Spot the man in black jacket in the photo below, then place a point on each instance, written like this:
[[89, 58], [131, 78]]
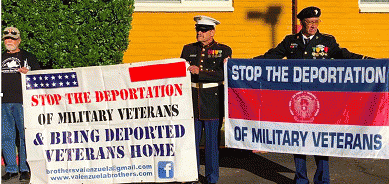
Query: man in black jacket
[[309, 43], [14, 62], [206, 66]]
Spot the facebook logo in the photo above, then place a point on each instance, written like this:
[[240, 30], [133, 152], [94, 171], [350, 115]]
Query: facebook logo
[[165, 169]]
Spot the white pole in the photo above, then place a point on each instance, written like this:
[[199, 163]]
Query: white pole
[[1, 93]]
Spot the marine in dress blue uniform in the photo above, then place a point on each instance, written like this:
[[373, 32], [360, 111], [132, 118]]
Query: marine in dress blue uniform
[[206, 58], [309, 43]]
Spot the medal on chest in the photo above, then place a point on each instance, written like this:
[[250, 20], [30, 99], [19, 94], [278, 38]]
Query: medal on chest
[[293, 45], [214, 53], [319, 51]]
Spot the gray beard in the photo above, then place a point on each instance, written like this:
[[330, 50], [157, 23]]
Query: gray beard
[[10, 47]]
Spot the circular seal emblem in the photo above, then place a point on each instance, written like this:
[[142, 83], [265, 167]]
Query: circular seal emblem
[[304, 106]]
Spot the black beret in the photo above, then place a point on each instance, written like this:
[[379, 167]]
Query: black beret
[[309, 12]]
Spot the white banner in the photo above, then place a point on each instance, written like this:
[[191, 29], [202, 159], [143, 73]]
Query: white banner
[[110, 124]]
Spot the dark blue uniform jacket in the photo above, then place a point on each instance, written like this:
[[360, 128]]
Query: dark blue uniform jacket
[[207, 102], [321, 46]]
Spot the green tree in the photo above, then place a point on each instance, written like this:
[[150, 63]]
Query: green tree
[[71, 33]]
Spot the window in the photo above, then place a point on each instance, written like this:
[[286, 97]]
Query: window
[[183, 5], [374, 5]]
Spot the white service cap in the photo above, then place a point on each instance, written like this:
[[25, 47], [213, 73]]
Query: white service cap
[[204, 20]]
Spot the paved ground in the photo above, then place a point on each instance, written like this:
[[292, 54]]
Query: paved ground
[[244, 167]]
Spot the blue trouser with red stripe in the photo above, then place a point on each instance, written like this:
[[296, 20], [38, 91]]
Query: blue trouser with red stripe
[[211, 130]]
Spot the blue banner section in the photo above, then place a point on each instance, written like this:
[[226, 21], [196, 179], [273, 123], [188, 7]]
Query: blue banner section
[[314, 75], [53, 80]]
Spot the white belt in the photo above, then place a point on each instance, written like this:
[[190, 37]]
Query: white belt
[[204, 85]]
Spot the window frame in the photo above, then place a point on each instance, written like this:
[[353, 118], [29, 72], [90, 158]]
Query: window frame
[[185, 6], [373, 7]]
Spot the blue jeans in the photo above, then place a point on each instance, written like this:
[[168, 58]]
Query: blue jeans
[[12, 118], [211, 130], [322, 175]]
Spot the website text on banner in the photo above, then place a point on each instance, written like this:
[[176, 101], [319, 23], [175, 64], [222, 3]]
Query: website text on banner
[[312, 107], [110, 124]]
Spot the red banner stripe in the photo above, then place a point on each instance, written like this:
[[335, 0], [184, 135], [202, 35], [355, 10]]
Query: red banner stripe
[[336, 108], [159, 71]]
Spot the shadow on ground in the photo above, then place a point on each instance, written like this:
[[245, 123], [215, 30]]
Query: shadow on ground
[[251, 162]]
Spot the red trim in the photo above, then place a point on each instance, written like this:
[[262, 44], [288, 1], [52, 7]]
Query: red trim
[[159, 71]]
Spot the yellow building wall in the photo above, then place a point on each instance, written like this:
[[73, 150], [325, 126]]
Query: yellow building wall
[[363, 33], [254, 27]]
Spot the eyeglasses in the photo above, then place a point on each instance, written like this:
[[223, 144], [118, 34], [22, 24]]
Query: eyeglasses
[[12, 32], [315, 22]]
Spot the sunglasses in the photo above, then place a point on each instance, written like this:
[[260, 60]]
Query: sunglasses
[[12, 32], [202, 30]]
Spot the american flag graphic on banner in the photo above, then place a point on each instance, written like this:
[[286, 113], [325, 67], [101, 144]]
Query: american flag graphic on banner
[[53, 80]]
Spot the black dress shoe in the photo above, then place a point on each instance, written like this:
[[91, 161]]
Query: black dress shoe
[[24, 176], [7, 176]]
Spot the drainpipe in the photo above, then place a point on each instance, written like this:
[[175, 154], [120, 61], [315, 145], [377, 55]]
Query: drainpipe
[[295, 26]]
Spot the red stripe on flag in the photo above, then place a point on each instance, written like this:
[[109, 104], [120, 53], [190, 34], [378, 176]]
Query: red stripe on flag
[[159, 71], [336, 108]]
